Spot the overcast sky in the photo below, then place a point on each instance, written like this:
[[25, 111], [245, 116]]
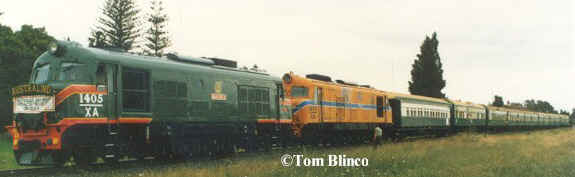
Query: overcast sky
[[517, 49]]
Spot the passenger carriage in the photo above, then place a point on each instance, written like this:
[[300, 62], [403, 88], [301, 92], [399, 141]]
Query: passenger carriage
[[467, 115], [414, 114]]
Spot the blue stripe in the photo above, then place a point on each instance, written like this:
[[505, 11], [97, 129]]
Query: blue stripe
[[335, 104]]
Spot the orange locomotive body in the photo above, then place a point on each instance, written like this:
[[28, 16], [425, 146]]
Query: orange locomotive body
[[327, 110]]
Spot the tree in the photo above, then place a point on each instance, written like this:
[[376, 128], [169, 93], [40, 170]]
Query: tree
[[119, 26], [497, 101], [98, 40], [427, 72], [531, 105], [18, 51], [157, 37], [564, 112], [539, 106], [515, 105]]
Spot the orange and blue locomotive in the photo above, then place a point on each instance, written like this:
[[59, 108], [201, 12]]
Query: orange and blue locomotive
[[336, 112]]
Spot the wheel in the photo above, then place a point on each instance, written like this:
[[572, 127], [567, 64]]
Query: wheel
[[109, 160], [84, 157], [17, 155], [60, 158]]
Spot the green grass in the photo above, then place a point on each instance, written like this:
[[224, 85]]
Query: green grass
[[7, 160], [539, 154]]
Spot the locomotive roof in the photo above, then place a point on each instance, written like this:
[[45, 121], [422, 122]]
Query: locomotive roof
[[314, 81], [74, 50]]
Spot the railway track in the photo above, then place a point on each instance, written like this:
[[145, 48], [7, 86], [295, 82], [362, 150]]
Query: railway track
[[67, 170], [42, 171]]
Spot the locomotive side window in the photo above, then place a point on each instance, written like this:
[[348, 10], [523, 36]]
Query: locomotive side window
[[170, 98], [101, 78], [298, 91], [254, 100], [70, 71], [135, 90]]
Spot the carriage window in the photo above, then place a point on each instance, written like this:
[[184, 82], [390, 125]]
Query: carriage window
[[42, 73], [298, 91], [135, 90]]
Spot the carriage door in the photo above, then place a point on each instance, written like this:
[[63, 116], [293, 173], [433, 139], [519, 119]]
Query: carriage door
[[112, 101], [319, 99]]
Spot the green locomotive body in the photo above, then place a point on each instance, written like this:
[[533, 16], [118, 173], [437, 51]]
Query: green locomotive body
[[111, 104]]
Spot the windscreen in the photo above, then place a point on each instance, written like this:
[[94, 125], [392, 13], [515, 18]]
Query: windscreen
[[42, 73], [298, 91]]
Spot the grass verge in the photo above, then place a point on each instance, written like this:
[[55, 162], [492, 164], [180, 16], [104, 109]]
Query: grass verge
[[541, 153]]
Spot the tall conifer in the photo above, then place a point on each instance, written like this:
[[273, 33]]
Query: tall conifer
[[119, 27], [156, 36], [427, 72]]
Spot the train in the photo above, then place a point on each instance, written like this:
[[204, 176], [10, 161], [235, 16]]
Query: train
[[83, 104]]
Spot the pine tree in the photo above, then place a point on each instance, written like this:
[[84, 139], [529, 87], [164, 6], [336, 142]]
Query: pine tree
[[98, 40], [118, 28], [427, 72], [157, 37]]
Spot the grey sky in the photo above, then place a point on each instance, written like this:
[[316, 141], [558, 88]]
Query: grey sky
[[517, 49]]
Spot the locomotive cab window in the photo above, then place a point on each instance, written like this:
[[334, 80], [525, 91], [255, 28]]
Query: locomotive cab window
[[299, 91], [70, 71], [135, 90]]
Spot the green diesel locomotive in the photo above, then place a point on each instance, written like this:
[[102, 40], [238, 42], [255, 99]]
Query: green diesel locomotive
[[91, 103]]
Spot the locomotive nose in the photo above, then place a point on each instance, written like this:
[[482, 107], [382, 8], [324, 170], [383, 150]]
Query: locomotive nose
[[30, 121]]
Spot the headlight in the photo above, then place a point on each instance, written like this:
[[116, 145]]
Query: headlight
[[56, 49], [53, 47], [287, 78]]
